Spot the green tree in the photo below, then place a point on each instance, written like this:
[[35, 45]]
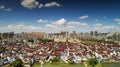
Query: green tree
[[2, 49], [93, 62], [55, 59], [17, 63], [44, 40]]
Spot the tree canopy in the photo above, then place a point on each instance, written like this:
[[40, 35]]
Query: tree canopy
[[17, 63], [92, 62]]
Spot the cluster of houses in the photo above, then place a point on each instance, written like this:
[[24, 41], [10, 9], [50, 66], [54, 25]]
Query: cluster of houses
[[30, 52]]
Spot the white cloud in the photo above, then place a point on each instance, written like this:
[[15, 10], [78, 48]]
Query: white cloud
[[99, 28], [84, 17], [30, 3], [64, 25], [117, 20], [40, 6], [8, 9], [2, 7], [34, 3], [77, 23], [42, 21], [97, 24], [106, 28], [50, 26], [109, 27], [61, 22], [20, 27], [57, 24], [70, 26], [52, 4]]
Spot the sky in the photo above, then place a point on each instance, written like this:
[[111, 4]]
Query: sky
[[59, 15]]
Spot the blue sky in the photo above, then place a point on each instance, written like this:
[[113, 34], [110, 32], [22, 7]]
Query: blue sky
[[59, 15]]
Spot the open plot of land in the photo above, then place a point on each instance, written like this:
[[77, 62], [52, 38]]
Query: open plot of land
[[58, 65]]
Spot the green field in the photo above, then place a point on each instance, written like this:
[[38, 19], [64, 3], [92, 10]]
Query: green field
[[72, 65], [58, 65], [111, 65]]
